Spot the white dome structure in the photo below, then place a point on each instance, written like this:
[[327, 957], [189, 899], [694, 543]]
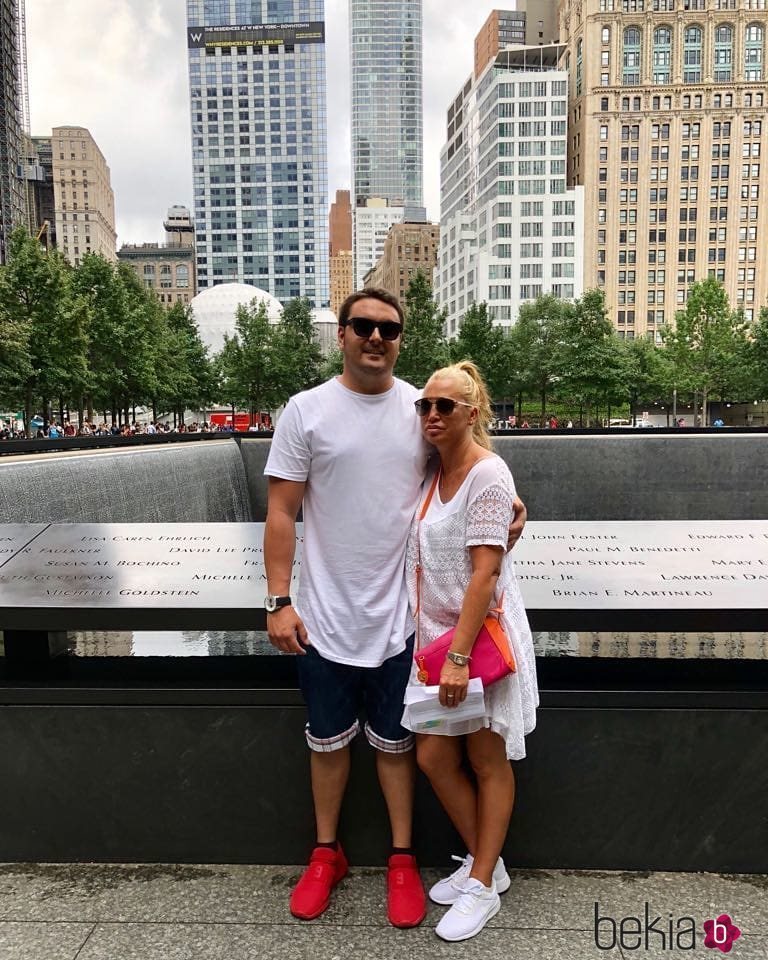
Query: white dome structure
[[215, 308], [326, 324]]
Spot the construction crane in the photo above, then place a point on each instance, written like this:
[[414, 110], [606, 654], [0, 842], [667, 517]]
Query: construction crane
[[21, 43], [43, 232]]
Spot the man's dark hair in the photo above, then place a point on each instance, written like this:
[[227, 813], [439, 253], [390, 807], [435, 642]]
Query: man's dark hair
[[370, 293]]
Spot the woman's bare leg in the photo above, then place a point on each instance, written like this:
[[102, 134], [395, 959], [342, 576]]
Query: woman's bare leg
[[440, 759], [495, 800]]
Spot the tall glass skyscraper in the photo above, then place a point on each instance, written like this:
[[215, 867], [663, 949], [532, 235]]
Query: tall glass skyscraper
[[259, 144], [12, 197], [387, 124]]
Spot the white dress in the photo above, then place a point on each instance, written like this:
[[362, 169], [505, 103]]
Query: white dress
[[479, 513]]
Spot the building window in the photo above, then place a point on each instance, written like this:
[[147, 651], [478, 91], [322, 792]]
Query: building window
[[723, 66], [692, 55], [632, 52], [579, 66], [753, 53], [182, 275], [662, 54]]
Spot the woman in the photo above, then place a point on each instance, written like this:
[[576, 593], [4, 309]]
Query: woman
[[460, 547]]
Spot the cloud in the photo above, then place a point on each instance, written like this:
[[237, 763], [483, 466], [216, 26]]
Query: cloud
[[123, 75]]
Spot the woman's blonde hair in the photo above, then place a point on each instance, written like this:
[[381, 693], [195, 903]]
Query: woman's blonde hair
[[473, 389]]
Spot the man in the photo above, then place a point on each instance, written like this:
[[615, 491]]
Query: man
[[351, 450]]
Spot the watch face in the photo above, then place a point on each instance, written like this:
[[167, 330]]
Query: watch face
[[273, 603]]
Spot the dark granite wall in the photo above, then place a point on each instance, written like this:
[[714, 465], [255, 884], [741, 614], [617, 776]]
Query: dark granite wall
[[122, 771], [179, 483], [605, 789], [641, 476]]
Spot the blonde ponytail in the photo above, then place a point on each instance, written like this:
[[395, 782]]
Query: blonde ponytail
[[473, 389]]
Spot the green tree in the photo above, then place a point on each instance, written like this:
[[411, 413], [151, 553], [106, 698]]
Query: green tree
[[590, 356], [535, 342], [705, 343], [15, 365], [44, 324], [249, 375], [482, 341], [423, 348], [143, 333], [297, 358], [225, 366], [647, 373], [508, 379], [757, 359], [185, 373], [97, 283], [332, 365]]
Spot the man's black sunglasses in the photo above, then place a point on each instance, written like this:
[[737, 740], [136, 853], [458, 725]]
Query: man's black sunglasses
[[363, 327]]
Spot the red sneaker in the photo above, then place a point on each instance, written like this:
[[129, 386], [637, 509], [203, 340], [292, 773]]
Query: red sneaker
[[312, 893], [406, 900]]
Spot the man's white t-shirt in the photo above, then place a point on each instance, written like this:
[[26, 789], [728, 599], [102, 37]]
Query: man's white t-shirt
[[363, 459]]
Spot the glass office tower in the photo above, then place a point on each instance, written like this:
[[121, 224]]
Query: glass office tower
[[259, 144], [387, 126], [12, 189]]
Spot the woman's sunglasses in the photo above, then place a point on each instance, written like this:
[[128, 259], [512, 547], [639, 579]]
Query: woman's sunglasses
[[363, 327], [444, 406]]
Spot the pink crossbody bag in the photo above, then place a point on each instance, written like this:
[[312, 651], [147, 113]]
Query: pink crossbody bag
[[491, 657]]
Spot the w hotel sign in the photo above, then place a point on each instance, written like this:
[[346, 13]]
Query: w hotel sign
[[261, 34]]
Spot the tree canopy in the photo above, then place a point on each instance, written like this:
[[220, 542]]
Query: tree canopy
[[93, 338]]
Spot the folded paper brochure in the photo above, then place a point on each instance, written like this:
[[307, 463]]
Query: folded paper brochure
[[427, 715]]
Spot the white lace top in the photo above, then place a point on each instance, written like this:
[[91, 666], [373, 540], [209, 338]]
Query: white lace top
[[479, 513]]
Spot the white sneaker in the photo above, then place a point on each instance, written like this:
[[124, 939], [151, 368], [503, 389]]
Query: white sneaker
[[473, 909], [448, 890]]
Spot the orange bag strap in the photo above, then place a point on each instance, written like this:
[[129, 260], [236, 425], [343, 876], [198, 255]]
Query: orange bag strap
[[500, 609], [422, 514]]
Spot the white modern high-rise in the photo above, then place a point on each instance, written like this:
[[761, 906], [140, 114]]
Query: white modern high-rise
[[387, 121], [259, 144], [510, 229]]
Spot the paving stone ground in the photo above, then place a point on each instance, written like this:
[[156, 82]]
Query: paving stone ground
[[220, 912]]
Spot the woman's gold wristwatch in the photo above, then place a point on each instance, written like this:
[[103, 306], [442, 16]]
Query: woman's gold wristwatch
[[460, 659]]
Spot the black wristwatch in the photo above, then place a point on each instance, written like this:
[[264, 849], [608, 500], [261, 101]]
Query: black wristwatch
[[273, 603]]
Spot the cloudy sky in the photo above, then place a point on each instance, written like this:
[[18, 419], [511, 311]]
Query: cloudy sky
[[122, 73]]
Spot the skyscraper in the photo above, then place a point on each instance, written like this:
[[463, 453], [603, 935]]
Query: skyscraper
[[387, 122], [258, 104], [667, 101], [340, 249], [12, 186], [510, 229], [83, 196]]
